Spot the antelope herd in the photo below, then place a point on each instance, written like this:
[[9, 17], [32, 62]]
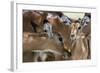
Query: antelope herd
[[53, 36]]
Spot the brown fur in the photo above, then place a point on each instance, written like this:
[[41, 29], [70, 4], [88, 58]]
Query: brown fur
[[33, 18], [79, 48], [62, 29], [31, 42]]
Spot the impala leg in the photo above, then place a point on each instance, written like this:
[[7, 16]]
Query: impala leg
[[43, 56], [35, 58]]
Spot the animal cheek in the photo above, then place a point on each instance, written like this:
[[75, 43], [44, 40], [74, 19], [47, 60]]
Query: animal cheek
[[74, 31]]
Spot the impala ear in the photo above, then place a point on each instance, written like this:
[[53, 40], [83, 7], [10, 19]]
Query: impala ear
[[61, 20]]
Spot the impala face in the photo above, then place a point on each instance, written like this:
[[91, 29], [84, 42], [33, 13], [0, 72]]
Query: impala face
[[75, 29]]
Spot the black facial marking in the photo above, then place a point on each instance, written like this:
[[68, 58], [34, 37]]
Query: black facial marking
[[79, 28]]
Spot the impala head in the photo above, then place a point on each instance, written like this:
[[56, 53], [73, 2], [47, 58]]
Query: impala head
[[75, 30], [37, 17], [53, 19], [61, 29]]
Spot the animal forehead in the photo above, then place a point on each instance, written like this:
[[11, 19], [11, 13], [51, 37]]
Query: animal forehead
[[36, 14], [52, 14], [75, 25], [58, 34]]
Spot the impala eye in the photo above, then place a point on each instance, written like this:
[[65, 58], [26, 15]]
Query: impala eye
[[60, 39], [45, 30], [79, 27]]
